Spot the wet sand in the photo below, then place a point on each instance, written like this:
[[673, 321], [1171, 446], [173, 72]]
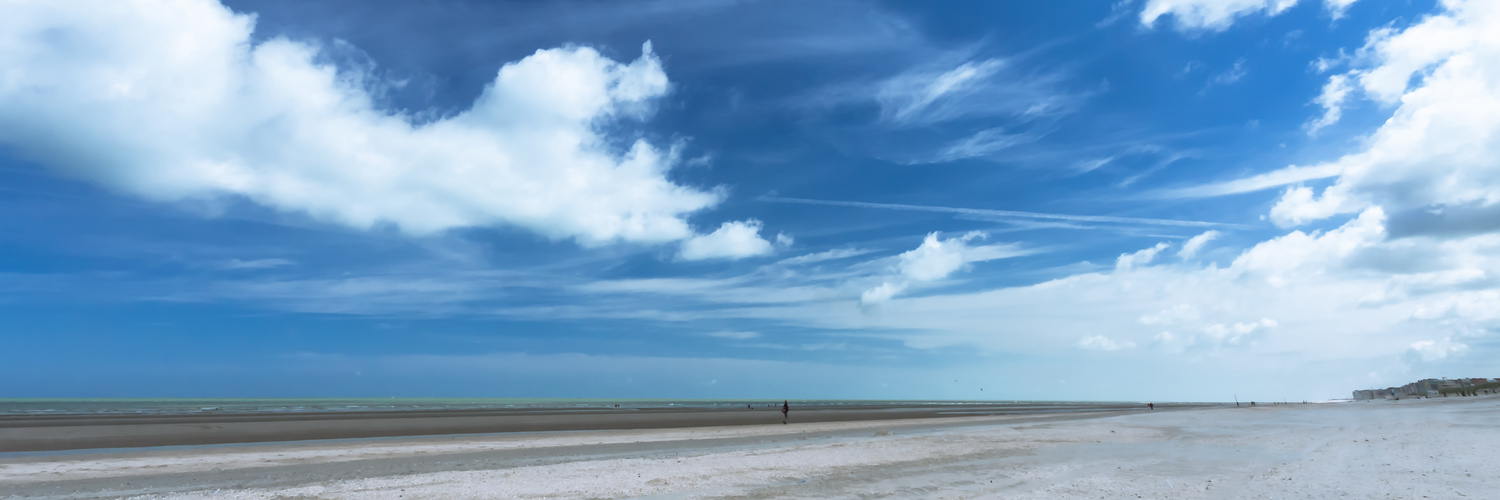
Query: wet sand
[[1441, 448], [24, 433]]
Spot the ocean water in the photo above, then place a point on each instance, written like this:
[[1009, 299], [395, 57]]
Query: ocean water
[[319, 405]]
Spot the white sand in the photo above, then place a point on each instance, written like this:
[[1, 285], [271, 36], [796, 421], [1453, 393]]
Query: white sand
[[1444, 448]]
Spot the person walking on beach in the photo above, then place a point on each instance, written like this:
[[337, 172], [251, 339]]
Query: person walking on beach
[[784, 409], [1151, 406]]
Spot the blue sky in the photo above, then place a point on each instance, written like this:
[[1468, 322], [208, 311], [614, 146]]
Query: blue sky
[[1151, 199]]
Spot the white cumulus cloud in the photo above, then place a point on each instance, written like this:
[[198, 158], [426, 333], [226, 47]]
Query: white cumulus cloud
[[1102, 343], [1406, 277], [881, 293], [935, 259], [1138, 258], [732, 240], [1217, 15], [1335, 92], [1438, 148], [1350, 296], [1209, 14], [1171, 315], [1196, 243], [177, 100], [1432, 350], [1235, 333], [1435, 154]]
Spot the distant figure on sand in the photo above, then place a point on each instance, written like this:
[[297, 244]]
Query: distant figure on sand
[[1151, 406], [784, 408]]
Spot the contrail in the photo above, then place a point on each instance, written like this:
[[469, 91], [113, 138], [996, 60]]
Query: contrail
[[1001, 213]]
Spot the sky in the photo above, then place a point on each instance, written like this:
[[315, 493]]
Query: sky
[[1116, 200]]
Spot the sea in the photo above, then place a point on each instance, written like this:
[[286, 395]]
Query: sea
[[176, 406]]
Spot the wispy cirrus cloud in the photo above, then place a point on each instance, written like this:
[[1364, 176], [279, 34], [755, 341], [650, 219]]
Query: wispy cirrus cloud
[[1004, 214], [734, 335], [947, 86], [982, 144], [922, 96], [1229, 76], [1277, 178], [973, 88], [827, 255], [254, 264]]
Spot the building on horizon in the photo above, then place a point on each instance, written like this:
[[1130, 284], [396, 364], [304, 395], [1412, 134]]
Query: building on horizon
[[1428, 388]]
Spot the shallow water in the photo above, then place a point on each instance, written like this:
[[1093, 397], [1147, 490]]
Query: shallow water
[[321, 405]]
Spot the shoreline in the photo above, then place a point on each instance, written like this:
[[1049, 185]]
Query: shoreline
[[29, 433]]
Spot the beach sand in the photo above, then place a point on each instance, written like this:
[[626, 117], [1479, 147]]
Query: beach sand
[[1441, 448]]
